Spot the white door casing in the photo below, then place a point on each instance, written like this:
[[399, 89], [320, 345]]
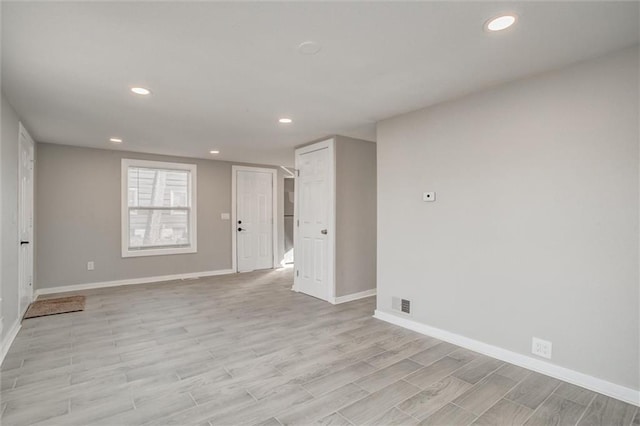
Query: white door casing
[[315, 220], [253, 218], [25, 219]]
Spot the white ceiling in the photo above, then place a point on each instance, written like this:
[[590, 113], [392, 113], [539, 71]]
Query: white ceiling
[[223, 73]]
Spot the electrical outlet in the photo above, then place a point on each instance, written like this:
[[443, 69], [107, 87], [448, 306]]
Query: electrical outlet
[[225, 216], [90, 266], [541, 347]]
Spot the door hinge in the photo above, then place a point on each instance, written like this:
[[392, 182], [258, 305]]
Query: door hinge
[[297, 273], [297, 172], [298, 222]]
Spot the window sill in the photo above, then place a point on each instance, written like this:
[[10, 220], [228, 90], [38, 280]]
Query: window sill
[[159, 252]]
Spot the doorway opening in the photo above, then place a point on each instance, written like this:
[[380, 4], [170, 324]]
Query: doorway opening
[[289, 210]]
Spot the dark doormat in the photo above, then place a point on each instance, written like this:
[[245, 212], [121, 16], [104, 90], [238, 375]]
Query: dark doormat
[[59, 305]]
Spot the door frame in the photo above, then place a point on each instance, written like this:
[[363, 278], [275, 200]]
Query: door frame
[[274, 217], [331, 225], [23, 136]]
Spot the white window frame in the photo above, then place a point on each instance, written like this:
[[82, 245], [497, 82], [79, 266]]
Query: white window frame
[[192, 168]]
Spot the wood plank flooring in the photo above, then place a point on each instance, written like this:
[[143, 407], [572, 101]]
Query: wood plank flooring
[[245, 350]]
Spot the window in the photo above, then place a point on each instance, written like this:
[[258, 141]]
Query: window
[[158, 208]]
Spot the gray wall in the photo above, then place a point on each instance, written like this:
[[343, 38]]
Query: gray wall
[[535, 227], [9, 246], [78, 218], [355, 215]]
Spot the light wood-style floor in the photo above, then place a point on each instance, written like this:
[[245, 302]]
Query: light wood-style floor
[[244, 350]]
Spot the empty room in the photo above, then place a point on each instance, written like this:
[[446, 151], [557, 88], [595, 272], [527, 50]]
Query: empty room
[[330, 213]]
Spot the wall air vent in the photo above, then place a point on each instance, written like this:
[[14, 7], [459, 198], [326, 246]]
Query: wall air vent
[[401, 305]]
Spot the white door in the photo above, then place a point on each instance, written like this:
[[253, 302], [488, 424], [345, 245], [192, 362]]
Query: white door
[[314, 221], [254, 220], [25, 220]]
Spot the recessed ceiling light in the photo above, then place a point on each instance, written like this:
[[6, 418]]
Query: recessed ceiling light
[[115, 140], [214, 152], [309, 48], [285, 120], [141, 91], [501, 22]]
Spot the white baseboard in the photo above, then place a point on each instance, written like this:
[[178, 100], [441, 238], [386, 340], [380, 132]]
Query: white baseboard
[[9, 338], [613, 390], [353, 296], [133, 281]]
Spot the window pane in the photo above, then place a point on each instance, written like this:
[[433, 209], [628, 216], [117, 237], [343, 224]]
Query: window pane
[[158, 187], [158, 228]]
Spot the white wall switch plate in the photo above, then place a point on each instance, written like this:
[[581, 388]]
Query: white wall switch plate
[[90, 266], [428, 196], [541, 347], [225, 216]]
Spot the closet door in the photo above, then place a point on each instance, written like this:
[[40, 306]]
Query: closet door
[[315, 218]]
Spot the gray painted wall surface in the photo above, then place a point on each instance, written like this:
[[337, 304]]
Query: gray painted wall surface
[[355, 215], [534, 231], [9, 265], [78, 218]]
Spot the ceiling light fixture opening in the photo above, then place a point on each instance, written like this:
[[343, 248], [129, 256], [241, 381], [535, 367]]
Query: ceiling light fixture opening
[[285, 121], [214, 152], [501, 22], [141, 91], [115, 140]]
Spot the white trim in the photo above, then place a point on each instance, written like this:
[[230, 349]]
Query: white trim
[[9, 338], [234, 220], [294, 287], [289, 172], [353, 296], [124, 208], [332, 220], [331, 255], [595, 384], [131, 281], [25, 137]]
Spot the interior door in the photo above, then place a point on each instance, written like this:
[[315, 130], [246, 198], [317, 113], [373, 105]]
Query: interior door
[[25, 220], [314, 201], [254, 220]]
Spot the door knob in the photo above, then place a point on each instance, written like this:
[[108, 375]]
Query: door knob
[[240, 229], [323, 232]]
